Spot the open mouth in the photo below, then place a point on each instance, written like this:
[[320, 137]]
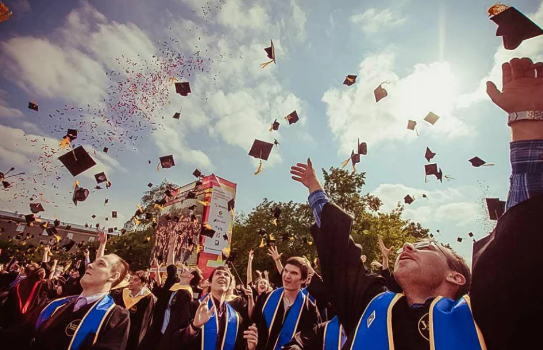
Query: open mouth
[[405, 256]]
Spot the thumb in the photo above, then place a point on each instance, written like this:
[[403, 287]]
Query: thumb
[[492, 91]]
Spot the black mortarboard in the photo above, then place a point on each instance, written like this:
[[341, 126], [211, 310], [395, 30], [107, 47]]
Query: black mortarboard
[[292, 118], [148, 216], [77, 161], [231, 204], [513, 26], [93, 216], [408, 199], [197, 173], [6, 184], [459, 239], [470, 234], [411, 124], [424, 196], [429, 154], [68, 245], [149, 185], [275, 142], [100, 177], [80, 194], [477, 162], [51, 231], [431, 169], [30, 218], [355, 158], [276, 212], [36, 207], [110, 230], [56, 223], [183, 89], [495, 207], [349, 80], [192, 207], [262, 232], [207, 231], [33, 106], [439, 175], [191, 195], [68, 227], [167, 162], [106, 149], [275, 125], [261, 149], [270, 51], [71, 134], [380, 93], [431, 118], [97, 225], [114, 214], [106, 201], [176, 115], [362, 148], [270, 241]]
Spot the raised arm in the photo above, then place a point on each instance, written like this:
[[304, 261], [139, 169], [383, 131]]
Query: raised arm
[[171, 251], [46, 252], [102, 238], [274, 254], [250, 267]]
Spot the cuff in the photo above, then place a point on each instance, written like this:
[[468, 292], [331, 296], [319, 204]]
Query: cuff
[[316, 197], [527, 156]]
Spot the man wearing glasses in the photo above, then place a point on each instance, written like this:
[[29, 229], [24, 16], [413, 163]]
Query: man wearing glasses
[[435, 311]]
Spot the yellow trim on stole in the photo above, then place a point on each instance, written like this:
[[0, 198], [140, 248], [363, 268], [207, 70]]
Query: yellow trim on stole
[[178, 286], [297, 321], [479, 334], [58, 307], [389, 320], [226, 327], [130, 301], [84, 317], [325, 329], [275, 312], [431, 321], [101, 322]]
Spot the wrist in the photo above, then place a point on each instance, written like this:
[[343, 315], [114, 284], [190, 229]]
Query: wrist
[[195, 327], [314, 186], [526, 130]]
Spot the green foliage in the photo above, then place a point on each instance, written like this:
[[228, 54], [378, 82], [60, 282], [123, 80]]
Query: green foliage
[[344, 188], [133, 247]]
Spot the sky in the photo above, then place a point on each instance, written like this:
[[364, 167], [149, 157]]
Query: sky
[[103, 67]]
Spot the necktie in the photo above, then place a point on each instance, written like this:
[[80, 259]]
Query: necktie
[[82, 301]]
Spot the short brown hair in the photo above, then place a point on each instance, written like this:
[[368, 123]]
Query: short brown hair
[[142, 275], [221, 268], [120, 266], [301, 263], [462, 268]]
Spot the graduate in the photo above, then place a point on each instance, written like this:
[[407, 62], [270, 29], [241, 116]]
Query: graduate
[[140, 302], [434, 311], [90, 320], [217, 323], [328, 335], [280, 314]]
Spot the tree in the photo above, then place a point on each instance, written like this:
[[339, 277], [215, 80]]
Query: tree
[[344, 188]]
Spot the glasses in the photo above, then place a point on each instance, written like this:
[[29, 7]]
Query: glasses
[[426, 244]]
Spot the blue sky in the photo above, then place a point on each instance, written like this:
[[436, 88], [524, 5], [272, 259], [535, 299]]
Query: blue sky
[[436, 55]]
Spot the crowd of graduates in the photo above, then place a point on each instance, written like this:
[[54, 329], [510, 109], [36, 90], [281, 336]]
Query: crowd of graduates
[[429, 299]]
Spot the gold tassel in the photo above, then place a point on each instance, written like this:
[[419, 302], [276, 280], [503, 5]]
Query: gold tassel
[[271, 128], [262, 245], [108, 184], [172, 80], [65, 143], [136, 221], [345, 162], [275, 222], [354, 168], [489, 164], [263, 65], [259, 170], [205, 204], [158, 167], [76, 184]]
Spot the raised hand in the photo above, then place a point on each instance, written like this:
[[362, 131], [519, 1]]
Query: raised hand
[[102, 237], [203, 313], [251, 334], [248, 292], [385, 252], [364, 259], [251, 255], [274, 253], [522, 86], [376, 264], [305, 174]]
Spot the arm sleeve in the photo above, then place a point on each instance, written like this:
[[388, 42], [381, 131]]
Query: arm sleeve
[[392, 285], [348, 285], [258, 319], [115, 334], [307, 339], [526, 179], [317, 200]]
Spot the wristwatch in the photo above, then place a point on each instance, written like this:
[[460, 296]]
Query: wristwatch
[[527, 115]]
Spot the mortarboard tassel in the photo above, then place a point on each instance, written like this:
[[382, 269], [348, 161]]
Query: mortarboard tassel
[[263, 65], [275, 222], [108, 184], [172, 80], [345, 162], [136, 221], [448, 177], [158, 167], [354, 168], [65, 143], [259, 170], [262, 245]]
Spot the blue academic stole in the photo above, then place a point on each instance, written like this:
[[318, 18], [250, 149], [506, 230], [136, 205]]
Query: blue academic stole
[[334, 335], [306, 293], [291, 322], [89, 325], [451, 325], [211, 328]]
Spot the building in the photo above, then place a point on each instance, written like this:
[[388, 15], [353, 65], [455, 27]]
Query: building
[[13, 226]]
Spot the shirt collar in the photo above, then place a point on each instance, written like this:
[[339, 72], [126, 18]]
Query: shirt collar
[[92, 298], [142, 291]]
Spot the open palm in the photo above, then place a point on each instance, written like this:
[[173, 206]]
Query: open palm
[[203, 314]]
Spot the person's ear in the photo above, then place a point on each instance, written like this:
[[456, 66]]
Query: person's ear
[[114, 276], [456, 278]]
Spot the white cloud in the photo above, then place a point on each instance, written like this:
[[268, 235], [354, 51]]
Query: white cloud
[[463, 213], [5, 110], [353, 113], [372, 20], [532, 48]]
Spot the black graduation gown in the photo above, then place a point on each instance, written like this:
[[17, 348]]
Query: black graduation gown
[[309, 339], [309, 318], [10, 313], [507, 274], [141, 317], [181, 338], [54, 333]]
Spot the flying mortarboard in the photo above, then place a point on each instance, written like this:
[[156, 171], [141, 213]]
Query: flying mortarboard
[[275, 125], [167, 162], [68, 245], [477, 162], [411, 124], [106, 149], [275, 142], [292, 118], [380, 93], [362, 148], [197, 173], [207, 231], [30, 218], [114, 214], [429, 154], [513, 26], [270, 51], [110, 230], [93, 216], [33, 106], [77, 161], [176, 115], [354, 159], [231, 204], [100, 177], [260, 150], [71, 134], [80, 194], [408, 199], [431, 118], [495, 207], [470, 234], [459, 239], [36, 208], [276, 213], [149, 185], [270, 241], [349, 80], [51, 231], [183, 89]]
